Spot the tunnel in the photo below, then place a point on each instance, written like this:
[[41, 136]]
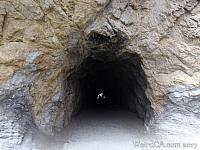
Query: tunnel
[[107, 81]]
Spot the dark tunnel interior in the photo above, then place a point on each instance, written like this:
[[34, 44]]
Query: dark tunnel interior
[[107, 81]]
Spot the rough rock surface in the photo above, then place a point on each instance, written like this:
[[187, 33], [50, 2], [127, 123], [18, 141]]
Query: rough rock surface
[[43, 41]]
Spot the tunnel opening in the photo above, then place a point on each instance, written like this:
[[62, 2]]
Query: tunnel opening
[[107, 81]]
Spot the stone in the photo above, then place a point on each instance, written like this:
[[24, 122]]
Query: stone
[[44, 43], [128, 16]]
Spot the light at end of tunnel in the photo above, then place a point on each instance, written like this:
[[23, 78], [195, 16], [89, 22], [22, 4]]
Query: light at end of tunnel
[[101, 96]]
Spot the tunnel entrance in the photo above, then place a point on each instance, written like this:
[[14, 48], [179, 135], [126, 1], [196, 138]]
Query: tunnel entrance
[[109, 81]]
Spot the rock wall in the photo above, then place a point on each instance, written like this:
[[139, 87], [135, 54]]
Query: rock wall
[[43, 41]]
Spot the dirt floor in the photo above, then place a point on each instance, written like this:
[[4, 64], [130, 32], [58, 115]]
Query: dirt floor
[[109, 129]]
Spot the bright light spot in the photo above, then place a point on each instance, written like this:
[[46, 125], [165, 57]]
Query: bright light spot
[[101, 96]]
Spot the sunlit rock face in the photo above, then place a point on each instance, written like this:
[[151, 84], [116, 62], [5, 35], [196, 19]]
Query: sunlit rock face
[[45, 44]]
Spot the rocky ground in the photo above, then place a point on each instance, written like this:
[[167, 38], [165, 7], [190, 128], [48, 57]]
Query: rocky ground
[[109, 130]]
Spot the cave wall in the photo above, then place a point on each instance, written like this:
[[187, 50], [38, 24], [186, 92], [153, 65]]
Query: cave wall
[[43, 41]]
